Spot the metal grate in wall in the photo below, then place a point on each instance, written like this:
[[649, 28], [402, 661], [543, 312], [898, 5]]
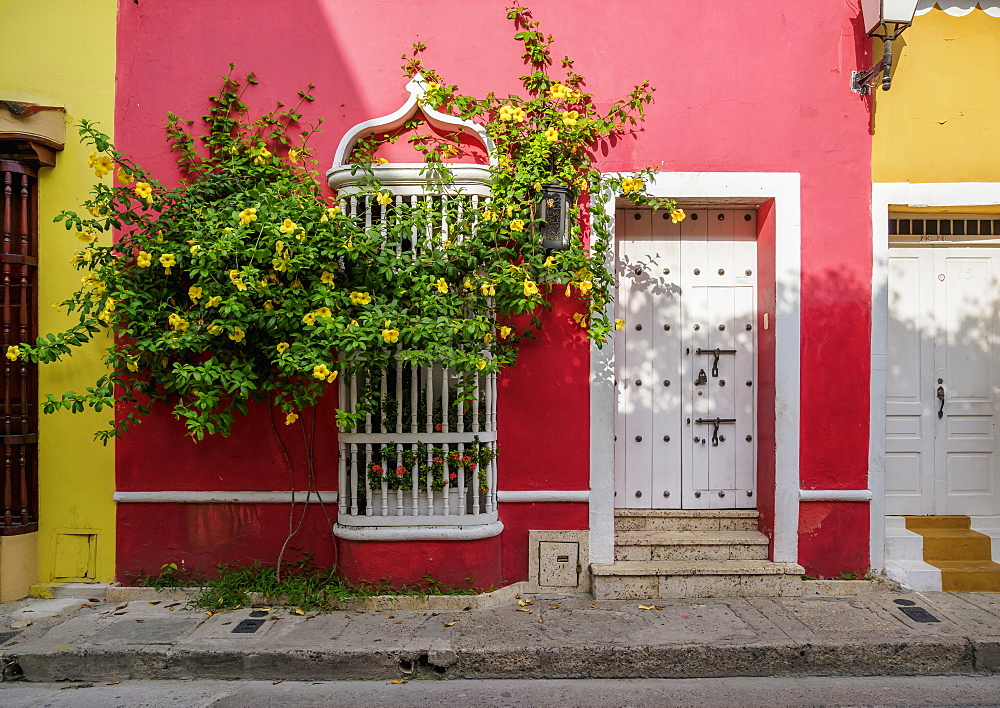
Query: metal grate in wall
[[945, 227]]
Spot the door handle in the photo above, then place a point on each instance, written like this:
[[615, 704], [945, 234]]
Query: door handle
[[940, 395]]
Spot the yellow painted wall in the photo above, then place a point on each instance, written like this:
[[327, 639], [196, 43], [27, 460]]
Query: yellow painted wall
[[62, 52], [940, 121]]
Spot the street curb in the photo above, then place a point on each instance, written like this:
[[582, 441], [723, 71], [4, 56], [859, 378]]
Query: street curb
[[910, 658]]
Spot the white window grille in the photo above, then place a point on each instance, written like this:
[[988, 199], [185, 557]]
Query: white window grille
[[426, 455]]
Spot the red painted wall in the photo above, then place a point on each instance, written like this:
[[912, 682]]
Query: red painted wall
[[766, 89], [766, 372]]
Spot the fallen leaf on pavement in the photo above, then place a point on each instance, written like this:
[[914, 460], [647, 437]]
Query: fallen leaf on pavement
[[140, 621], [541, 621], [10, 644], [92, 599], [388, 617], [554, 607], [86, 605], [593, 606], [449, 624], [121, 613], [299, 611], [659, 607], [522, 603], [209, 612], [398, 681], [155, 602], [225, 623], [173, 604], [122, 607], [647, 607], [524, 609], [112, 683], [276, 682]]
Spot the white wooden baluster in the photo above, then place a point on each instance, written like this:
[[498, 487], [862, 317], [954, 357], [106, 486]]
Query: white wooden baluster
[[475, 403], [430, 480], [489, 402], [415, 482], [414, 397], [355, 452], [444, 218], [430, 429], [414, 246], [399, 492], [399, 392], [370, 501], [342, 478], [461, 476]]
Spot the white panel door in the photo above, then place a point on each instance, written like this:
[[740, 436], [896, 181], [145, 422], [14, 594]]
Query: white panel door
[[943, 381], [685, 360]]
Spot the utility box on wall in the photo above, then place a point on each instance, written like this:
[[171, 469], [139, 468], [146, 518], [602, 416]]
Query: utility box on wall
[[558, 561]]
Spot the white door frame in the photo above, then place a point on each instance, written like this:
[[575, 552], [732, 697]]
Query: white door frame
[[756, 187], [884, 195]]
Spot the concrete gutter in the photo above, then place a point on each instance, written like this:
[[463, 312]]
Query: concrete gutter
[[553, 637]]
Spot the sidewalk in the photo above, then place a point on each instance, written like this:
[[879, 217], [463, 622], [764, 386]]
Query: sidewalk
[[556, 636]]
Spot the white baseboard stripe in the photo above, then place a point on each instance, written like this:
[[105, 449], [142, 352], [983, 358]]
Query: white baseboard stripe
[[176, 497], [418, 533], [543, 495], [842, 495]]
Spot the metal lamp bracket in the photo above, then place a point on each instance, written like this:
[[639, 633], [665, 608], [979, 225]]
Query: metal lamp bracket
[[861, 81]]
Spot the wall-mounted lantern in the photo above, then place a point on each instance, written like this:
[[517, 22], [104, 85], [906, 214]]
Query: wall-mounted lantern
[[879, 16], [553, 211]]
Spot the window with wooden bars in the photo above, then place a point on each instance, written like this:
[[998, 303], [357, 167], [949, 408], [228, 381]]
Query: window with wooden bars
[[19, 303]]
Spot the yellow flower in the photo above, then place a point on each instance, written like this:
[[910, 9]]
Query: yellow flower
[[194, 292], [282, 347], [125, 178], [505, 332], [489, 215], [580, 319], [320, 371], [380, 161], [441, 285], [261, 157], [481, 364], [269, 306], [630, 184], [103, 165], [326, 278], [570, 118], [132, 364], [330, 213], [488, 337], [294, 155], [287, 227], [324, 312], [247, 215], [677, 215], [391, 336], [551, 135], [519, 115], [309, 318], [194, 249], [585, 286], [280, 264], [177, 322], [517, 225], [467, 284], [92, 160], [237, 335], [432, 86], [619, 324], [213, 328], [214, 301], [558, 91], [332, 377], [530, 288], [291, 418], [384, 198], [167, 260], [143, 190], [237, 280], [488, 289], [86, 236], [360, 298], [550, 261], [13, 352], [507, 112]]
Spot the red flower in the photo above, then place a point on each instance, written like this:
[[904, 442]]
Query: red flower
[[377, 469], [453, 476], [437, 427], [400, 471], [466, 459], [454, 455], [473, 466], [438, 460]]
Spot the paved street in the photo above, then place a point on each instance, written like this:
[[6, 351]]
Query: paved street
[[704, 693]]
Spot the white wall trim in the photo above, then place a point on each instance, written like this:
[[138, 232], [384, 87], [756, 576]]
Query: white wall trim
[[418, 533], [884, 195], [839, 495], [785, 189], [178, 497], [507, 496], [959, 8]]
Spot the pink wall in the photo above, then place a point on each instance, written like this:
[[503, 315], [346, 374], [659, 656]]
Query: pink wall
[[756, 87]]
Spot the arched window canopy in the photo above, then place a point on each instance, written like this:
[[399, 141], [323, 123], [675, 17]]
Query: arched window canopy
[[407, 178]]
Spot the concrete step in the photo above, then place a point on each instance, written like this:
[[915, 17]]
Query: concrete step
[[721, 578], [690, 545], [685, 519]]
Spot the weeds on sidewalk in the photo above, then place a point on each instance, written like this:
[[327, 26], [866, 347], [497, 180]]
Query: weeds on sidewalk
[[301, 583]]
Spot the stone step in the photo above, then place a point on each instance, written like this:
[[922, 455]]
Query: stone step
[[685, 519], [690, 545], [638, 580]]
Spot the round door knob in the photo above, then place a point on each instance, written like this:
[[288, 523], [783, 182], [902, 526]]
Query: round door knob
[[722, 494], [722, 382], [666, 271], [697, 439], [638, 271], [638, 438], [749, 438], [666, 438], [666, 494], [638, 382], [666, 382], [666, 328], [697, 327], [638, 494], [697, 271], [697, 495], [638, 327], [722, 271]]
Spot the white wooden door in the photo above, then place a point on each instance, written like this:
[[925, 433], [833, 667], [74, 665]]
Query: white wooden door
[[943, 379], [685, 360]]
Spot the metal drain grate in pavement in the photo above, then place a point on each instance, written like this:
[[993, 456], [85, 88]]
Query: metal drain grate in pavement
[[248, 626]]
